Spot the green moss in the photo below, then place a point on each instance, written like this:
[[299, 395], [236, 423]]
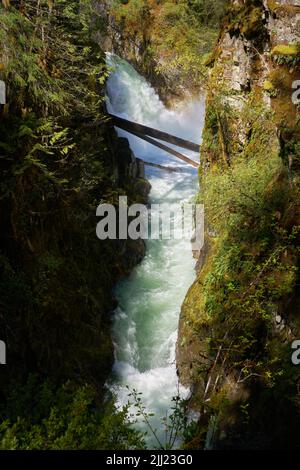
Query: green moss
[[208, 59], [286, 49], [286, 54], [270, 89], [252, 22], [272, 5], [282, 78], [251, 270], [268, 86], [252, 220], [245, 18]]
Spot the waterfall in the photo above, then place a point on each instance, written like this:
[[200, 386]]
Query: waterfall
[[146, 320]]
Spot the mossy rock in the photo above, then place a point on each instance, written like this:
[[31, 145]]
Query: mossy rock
[[252, 22], [286, 50], [246, 19]]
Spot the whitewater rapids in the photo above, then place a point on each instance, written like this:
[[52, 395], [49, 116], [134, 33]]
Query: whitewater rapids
[[146, 320]]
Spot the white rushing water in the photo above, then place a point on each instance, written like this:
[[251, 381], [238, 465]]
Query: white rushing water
[[146, 320]]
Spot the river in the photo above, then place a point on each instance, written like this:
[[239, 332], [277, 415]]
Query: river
[[146, 320]]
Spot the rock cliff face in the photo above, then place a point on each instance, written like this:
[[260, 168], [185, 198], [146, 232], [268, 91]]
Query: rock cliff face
[[159, 38], [133, 48], [242, 313], [60, 158]]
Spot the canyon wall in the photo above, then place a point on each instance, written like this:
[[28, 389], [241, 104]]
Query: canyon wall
[[60, 158], [241, 315]]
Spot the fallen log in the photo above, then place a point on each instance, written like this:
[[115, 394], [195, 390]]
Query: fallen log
[[141, 129], [166, 149], [162, 167]]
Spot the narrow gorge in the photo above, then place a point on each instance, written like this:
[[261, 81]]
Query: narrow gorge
[[123, 343], [146, 319]]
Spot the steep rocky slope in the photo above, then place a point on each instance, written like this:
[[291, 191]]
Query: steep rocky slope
[[59, 159], [167, 42], [241, 315]]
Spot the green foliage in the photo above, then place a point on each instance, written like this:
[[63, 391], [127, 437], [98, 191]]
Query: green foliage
[[251, 270], [54, 74], [40, 416], [46, 62], [207, 12], [175, 424], [246, 18], [57, 162], [175, 36]]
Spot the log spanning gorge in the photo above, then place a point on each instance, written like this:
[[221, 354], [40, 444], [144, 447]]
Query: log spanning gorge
[[149, 300]]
